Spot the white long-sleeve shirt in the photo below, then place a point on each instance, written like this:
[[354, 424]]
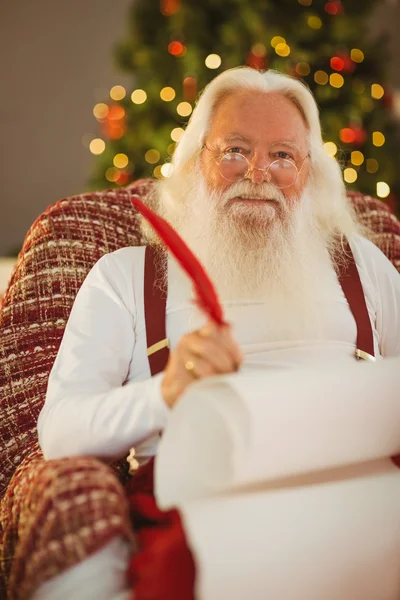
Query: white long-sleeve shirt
[[101, 399]]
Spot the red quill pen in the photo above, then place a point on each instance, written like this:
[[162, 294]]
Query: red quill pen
[[206, 294]]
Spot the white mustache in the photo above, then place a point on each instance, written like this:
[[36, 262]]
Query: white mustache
[[247, 189]]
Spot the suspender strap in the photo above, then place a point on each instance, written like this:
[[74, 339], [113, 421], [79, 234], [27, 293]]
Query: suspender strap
[[155, 301], [350, 281]]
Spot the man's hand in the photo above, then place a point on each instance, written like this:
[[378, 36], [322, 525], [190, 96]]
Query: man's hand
[[208, 351]]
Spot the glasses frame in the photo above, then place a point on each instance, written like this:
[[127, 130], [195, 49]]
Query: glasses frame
[[250, 169]]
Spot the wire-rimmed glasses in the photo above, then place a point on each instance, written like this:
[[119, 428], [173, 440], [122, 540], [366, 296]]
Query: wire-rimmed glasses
[[281, 173]]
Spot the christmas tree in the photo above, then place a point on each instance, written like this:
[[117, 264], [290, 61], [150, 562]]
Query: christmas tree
[[175, 47]]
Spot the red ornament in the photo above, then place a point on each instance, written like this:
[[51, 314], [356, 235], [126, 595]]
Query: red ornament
[[256, 62], [169, 7], [337, 63], [334, 8]]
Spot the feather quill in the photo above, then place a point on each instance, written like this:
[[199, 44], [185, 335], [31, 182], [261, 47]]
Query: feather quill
[[206, 294]]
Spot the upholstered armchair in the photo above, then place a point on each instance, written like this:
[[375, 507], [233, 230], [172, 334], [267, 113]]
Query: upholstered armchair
[[71, 506]]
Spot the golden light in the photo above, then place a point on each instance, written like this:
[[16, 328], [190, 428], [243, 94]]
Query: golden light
[[177, 133], [330, 148], [100, 111], [350, 175], [382, 189], [157, 172], [213, 61], [117, 92], [167, 94], [152, 156], [321, 77], [97, 146], [377, 91], [120, 161], [138, 96], [305, 2], [314, 22], [336, 80], [372, 165], [357, 158], [277, 39], [259, 50], [184, 109], [282, 49], [302, 68], [171, 148], [166, 169], [357, 55], [112, 174], [378, 139]]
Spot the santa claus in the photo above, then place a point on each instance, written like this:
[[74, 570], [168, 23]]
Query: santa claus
[[258, 200]]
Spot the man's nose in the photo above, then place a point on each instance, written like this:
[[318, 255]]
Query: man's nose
[[257, 175]]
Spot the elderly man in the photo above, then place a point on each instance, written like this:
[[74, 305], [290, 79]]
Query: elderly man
[[256, 197]]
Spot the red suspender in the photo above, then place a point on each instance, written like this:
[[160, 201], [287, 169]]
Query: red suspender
[[349, 279], [155, 309], [155, 301]]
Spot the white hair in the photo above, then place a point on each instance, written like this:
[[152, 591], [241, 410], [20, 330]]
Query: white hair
[[332, 209]]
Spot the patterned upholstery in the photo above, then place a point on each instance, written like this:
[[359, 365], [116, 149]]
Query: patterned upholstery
[[59, 249]]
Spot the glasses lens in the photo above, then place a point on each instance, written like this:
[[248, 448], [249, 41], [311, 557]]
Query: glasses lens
[[282, 173], [233, 167]]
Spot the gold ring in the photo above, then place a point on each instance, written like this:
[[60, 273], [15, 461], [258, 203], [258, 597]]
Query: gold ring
[[189, 366]]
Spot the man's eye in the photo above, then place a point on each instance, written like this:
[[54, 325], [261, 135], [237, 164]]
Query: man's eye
[[234, 150], [283, 154]]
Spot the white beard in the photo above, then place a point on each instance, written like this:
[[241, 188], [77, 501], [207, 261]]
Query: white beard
[[275, 254]]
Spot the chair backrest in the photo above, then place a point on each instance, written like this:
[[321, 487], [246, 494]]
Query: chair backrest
[[59, 250]]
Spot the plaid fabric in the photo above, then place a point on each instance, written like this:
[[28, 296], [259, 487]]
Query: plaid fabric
[[55, 513]]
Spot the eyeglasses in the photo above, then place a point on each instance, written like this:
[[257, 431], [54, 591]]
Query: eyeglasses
[[281, 173]]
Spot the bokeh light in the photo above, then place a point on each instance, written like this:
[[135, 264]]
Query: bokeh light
[[157, 172], [357, 55], [184, 109], [382, 189], [259, 50], [100, 111], [277, 39], [282, 49], [377, 91], [120, 160], [303, 69], [112, 174], [314, 22], [138, 96], [213, 61], [117, 92], [97, 146], [321, 77], [152, 156], [372, 165], [330, 148], [378, 139], [166, 169], [167, 94], [357, 158], [177, 133], [350, 175], [336, 80]]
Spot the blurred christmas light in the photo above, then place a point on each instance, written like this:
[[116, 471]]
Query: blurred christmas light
[[176, 48], [166, 169], [120, 160], [358, 86], [314, 22], [213, 61], [97, 146], [350, 175], [321, 77], [333, 8], [336, 80], [100, 111], [377, 91], [169, 7], [189, 89], [157, 172], [378, 139], [372, 165], [330, 148], [259, 49], [305, 2], [177, 133], [303, 69], [116, 112], [357, 55], [357, 158], [167, 94], [382, 189], [347, 135], [184, 109], [277, 39], [152, 156], [282, 49], [112, 174], [337, 63], [138, 96], [118, 92]]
